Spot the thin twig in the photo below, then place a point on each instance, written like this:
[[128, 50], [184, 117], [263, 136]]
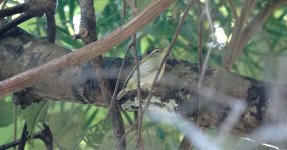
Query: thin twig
[[24, 137], [200, 35], [135, 3], [210, 22], [211, 27], [139, 113], [203, 70], [139, 144], [20, 8], [118, 80], [124, 8], [199, 55], [199, 49], [233, 9], [115, 91], [130, 129], [11, 24], [212, 30]]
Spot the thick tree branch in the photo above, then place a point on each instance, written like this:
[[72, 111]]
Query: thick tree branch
[[175, 92], [86, 53]]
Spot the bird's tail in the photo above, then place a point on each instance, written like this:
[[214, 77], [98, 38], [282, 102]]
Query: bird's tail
[[121, 94]]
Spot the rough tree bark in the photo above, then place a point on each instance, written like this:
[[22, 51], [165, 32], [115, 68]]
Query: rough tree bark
[[177, 90]]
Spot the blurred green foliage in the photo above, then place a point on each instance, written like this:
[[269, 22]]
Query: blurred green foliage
[[77, 126]]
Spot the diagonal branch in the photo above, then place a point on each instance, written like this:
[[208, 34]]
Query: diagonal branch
[[258, 21], [86, 53], [242, 35], [237, 33]]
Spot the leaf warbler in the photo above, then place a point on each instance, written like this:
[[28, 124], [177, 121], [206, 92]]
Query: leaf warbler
[[148, 67]]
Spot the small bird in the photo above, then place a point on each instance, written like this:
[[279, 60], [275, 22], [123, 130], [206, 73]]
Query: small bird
[[148, 67]]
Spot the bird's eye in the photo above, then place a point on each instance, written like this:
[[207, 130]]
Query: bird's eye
[[154, 52]]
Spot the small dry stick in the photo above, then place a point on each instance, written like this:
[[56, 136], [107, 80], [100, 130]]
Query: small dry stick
[[202, 72], [118, 81], [139, 144], [139, 123], [130, 129], [200, 35], [210, 23], [208, 16], [199, 55], [124, 5]]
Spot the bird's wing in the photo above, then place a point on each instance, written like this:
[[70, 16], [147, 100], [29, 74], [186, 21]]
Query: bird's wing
[[129, 76]]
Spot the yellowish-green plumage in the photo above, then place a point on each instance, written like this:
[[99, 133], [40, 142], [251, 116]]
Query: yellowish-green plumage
[[148, 68]]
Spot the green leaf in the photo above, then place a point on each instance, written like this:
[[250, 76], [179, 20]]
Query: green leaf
[[72, 8], [98, 132], [6, 113], [100, 5], [67, 127], [91, 118], [34, 114], [164, 27], [60, 11]]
